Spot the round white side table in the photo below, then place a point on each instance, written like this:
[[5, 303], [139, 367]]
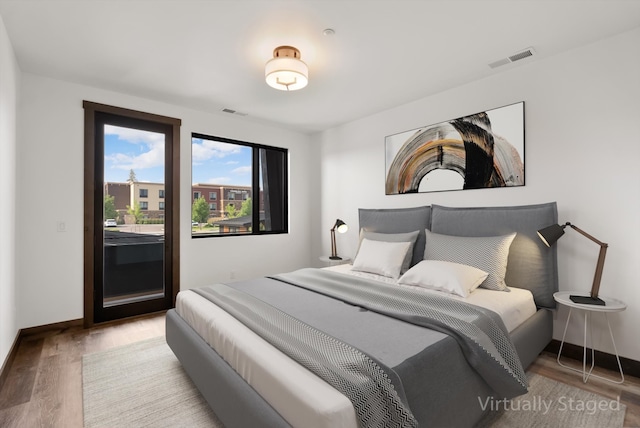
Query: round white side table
[[611, 305], [331, 262]]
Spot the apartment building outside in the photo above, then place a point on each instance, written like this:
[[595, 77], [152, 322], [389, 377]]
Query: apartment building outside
[[150, 197], [219, 197]]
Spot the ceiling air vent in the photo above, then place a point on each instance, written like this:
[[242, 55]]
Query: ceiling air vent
[[232, 111], [526, 53]]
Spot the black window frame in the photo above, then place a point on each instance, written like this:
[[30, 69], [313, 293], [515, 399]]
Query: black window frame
[[144, 193], [281, 207]]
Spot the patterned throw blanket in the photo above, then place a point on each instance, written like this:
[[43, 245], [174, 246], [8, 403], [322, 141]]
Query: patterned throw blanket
[[344, 367]]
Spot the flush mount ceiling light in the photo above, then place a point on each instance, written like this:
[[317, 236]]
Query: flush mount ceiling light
[[285, 71]]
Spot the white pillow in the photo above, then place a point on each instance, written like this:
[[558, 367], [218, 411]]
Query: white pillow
[[449, 277], [489, 253], [382, 258], [393, 237]]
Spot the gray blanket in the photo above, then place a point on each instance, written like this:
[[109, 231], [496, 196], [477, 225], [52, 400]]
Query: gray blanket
[[353, 373], [484, 340], [433, 371]]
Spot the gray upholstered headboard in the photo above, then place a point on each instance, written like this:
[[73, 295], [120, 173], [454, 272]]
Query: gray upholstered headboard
[[398, 220], [532, 265]]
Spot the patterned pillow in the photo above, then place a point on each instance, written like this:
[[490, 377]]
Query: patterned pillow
[[488, 253]]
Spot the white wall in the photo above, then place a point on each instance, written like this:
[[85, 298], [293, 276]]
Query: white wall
[[9, 83], [582, 122], [50, 189]]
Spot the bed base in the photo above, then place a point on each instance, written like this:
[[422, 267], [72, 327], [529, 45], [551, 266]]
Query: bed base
[[233, 400], [237, 404]]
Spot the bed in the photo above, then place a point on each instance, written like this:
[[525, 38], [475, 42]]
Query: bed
[[250, 381]]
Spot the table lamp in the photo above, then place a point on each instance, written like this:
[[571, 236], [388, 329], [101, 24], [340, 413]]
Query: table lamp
[[551, 234], [341, 227]]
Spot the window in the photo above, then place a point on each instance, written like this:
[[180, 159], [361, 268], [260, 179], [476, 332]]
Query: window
[[144, 205], [161, 206], [253, 182], [144, 193], [161, 194]]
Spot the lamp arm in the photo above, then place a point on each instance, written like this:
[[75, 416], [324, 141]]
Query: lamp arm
[[595, 288], [585, 234], [334, 252]]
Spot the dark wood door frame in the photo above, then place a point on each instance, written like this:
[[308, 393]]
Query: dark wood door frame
[[172, 210]]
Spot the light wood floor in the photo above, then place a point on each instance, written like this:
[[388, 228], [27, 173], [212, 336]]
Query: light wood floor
[[44, 385]]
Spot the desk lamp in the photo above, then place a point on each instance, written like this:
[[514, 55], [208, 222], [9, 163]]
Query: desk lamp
[[341, 227], [551, 234]]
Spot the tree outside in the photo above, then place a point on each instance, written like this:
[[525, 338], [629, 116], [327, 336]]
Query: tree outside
[[231, 211], [110, 207], [136, 212], [200, 210], [246, 208]]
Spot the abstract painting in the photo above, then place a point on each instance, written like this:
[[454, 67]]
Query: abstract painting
[[478, 151]]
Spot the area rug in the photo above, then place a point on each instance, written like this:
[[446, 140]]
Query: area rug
[[144, 385], [141, 385]]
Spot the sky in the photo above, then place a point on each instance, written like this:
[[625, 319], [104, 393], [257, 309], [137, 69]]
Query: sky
[[213, 162]]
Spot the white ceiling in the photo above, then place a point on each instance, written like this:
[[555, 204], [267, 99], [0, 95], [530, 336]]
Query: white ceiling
[[210, 55]]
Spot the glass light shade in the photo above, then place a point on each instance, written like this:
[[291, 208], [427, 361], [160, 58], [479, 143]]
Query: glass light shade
[[286, 73]]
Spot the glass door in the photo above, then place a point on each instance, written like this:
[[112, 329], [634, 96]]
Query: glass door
[[133, 236], [133, 216]]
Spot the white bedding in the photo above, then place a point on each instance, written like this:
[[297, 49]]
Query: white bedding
[[301, 397], [514, 307]]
